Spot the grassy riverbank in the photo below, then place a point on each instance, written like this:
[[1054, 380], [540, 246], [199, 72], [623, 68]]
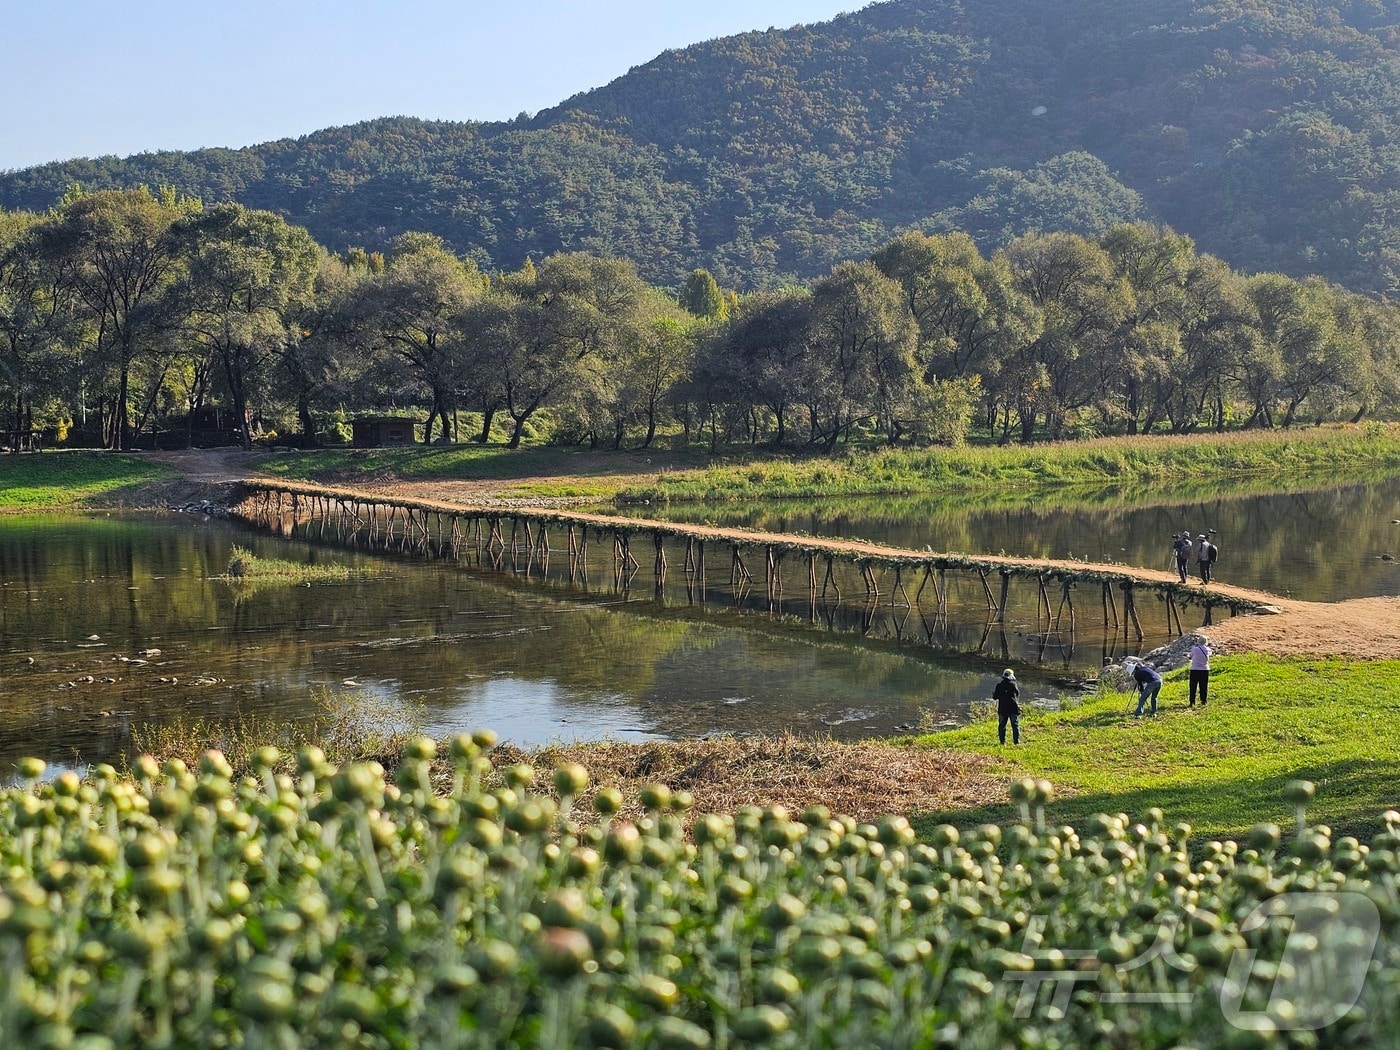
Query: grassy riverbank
[[70, 479], [661, 476], [1196, 463], [1126, 460], [1221, 769]]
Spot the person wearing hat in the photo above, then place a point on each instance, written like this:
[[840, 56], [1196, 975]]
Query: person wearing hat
[[1205, 557], [1006, 694], [1149, 684], [1200, 671], [1181, 548]]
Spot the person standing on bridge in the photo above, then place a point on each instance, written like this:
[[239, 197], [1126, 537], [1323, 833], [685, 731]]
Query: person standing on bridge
[[1205, 558], [1181, 547], [1007, 695]]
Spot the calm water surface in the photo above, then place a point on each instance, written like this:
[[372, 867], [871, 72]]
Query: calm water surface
[[1317, 542], [84, 601]]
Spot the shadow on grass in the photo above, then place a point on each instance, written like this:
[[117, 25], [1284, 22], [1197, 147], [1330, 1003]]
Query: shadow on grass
[[468, 461], [1351, 796]]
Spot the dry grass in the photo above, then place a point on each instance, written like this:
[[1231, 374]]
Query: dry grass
[[863, 780]]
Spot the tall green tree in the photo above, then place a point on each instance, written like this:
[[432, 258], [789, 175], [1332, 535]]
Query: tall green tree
[[35, 329], [967, 307], [867, 340], [1067, 366], [414, 311], [250, 275], [546, 333], [121, 257], [1155, 266], [768, 354], [1311, 356], [317, 363], [702, 297]]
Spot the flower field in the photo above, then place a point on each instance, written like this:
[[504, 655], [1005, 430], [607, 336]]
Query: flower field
[[301, 905]]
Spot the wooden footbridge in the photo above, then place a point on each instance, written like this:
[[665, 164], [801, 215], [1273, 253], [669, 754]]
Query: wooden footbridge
[[525, 538]]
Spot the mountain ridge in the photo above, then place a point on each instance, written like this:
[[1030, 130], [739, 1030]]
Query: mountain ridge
[[1260, 129]]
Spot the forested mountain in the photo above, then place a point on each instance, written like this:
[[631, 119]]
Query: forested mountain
[[1265, 129]]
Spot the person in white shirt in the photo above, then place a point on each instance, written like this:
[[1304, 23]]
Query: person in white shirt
[[1200, 672]]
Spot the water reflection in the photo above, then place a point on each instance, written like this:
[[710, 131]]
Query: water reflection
[[111, 623], [1313, 541], [86, 602]]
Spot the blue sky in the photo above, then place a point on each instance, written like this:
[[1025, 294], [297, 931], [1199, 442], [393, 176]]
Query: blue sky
[[85, 78]]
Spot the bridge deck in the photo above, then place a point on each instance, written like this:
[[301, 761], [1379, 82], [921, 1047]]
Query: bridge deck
[[1238, 599]]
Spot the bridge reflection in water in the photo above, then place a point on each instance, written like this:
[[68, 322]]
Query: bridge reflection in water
[[911, 596]]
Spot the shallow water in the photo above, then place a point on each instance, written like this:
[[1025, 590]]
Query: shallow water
[[1316, 541], [541, 658], [84, 601]]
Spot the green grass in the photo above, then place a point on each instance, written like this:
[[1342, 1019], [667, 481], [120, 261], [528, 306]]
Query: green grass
[[244, 567], [1221, 769], [534, 471], [1196, 464], [1119, 460], [68, 479]]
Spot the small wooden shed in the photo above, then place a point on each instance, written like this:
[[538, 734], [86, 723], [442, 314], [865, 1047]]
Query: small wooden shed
[[382, 431]]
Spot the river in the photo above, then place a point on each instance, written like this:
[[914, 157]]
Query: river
[[112, 624]]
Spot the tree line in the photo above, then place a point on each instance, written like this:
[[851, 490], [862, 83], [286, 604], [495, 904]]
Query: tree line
[[125, 313]]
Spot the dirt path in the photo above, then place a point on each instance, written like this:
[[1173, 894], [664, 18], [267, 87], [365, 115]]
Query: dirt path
[[215, 466], [1362, 629]]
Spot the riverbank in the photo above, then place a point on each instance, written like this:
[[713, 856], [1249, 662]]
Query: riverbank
[[1222, 768], [473, 473], [493, 474], [1298, 694]]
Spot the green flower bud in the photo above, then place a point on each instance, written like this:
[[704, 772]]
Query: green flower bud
[[608, 801], [779, 986], [660, 993], [311, 759], [759, 1024], [676, 1033], [570, 779], [421, 749], [266, 998], [612, 1028], [146, 850], [1299, 792], [495, 961], [655, 797], [564, 952]]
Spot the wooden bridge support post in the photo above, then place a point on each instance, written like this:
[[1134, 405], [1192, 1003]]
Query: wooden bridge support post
[[830, 578], [1066, 600], [899, 588], [987, 592], [1130, 611]]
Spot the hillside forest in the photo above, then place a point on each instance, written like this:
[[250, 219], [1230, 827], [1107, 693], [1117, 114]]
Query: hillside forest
[[124, 315], [1263, 129]]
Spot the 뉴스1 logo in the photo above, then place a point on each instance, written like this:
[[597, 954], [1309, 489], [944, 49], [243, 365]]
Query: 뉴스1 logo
[[1308, 967]]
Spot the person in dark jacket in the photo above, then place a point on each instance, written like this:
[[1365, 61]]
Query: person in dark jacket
[[1149, 684], [1181, 547], [1006, 694]]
